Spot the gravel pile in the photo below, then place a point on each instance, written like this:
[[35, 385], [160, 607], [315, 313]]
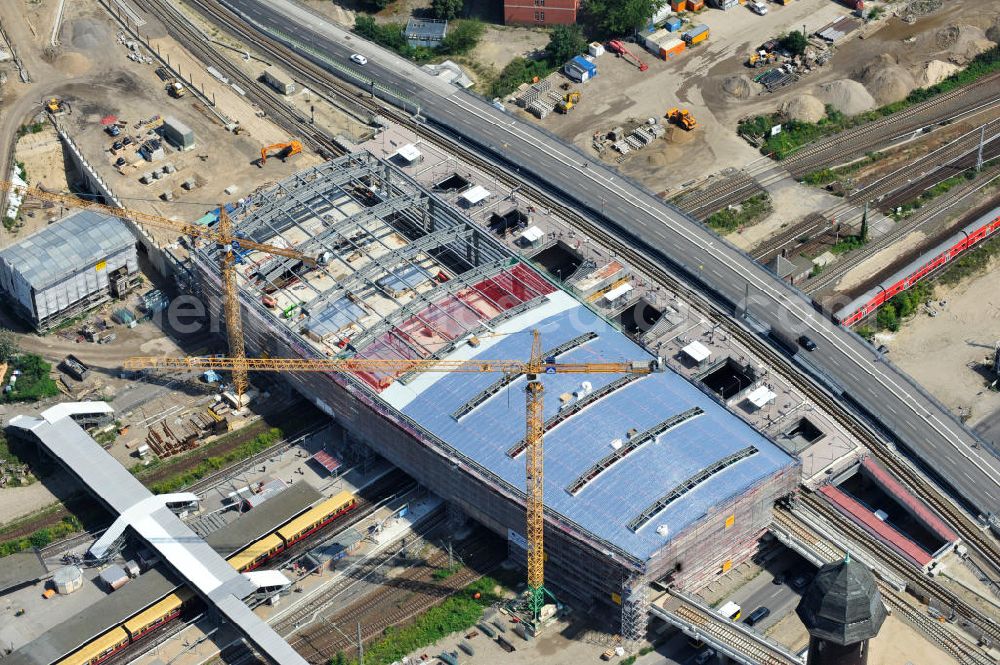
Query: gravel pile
[[804, 108], [847, 96], [741, 86], [89, 34], [886, 80], [971, 41]]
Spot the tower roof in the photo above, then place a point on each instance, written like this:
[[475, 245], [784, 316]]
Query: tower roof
[[843, 604]]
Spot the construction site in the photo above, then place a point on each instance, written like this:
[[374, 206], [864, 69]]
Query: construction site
[[401, 276]]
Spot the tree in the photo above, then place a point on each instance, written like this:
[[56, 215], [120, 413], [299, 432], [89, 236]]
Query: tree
[[794, 42], [447, 9], [8, 345], [618, 18], [565, 41], [462, 36]]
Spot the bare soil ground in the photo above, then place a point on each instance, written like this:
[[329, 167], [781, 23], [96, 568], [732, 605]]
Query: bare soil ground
[[945, 353]]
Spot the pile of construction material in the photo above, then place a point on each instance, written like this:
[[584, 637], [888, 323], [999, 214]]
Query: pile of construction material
[[536, 99], [166, 442], [638, 138]]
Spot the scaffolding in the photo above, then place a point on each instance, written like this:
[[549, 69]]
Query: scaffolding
[[404, 275]]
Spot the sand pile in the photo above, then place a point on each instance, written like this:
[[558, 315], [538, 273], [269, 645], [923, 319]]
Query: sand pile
[[73, 63], [971, 42], [741, 87], [936, 71], [886, 80], [805, 108], [847, 96]]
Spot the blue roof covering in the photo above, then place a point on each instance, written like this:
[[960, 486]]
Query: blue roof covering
[[606, 504], [584, 63]]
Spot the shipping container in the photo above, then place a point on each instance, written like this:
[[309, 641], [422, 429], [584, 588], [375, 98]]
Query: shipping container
[[673, 24], [695, 5], [678, 5], [672, 48], [278, 81], [653, 40], [697, 34]]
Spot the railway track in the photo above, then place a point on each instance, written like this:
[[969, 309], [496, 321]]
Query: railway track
[[963, 651], [943, 108], [728, 634], [884, 451], [701, 204], [395, 602], [926, 215], [919, 582], [290, 622], [200, 47], [888, 191]]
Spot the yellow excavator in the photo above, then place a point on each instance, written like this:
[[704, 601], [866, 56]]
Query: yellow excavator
[[284, 151], [568, 101], [761, 58], [682, 118]]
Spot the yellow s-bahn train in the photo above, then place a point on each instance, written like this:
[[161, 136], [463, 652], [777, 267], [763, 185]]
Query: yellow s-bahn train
[[252, 556]]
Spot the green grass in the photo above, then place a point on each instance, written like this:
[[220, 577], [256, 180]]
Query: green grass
[[462, 37], [795, 134], [458, 613], [972, 262], [746, 214], [185, 478], [446, 572], [942, 187], [42, 537], [34, 383], [826, 176], [848, 244]]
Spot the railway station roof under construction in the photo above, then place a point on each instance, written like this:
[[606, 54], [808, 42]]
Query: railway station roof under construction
[[404, 274], [181, 549]]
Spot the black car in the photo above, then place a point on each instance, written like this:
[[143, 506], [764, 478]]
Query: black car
[[807, 343], [120, 161], [117, 145], [127, 140], [757, 616], [779, 579]]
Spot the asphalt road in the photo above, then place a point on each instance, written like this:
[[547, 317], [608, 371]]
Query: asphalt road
[[935, 437]]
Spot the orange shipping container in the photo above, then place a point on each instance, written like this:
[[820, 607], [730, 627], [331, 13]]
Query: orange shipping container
[[678, 5], [699, 38], [695, 5], [672, 48]]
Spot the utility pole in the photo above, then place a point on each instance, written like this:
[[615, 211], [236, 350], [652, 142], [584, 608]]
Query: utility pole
[[979, 156]]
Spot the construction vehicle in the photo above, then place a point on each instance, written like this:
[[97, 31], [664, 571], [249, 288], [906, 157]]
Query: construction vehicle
[[619, 48], [682, 118], [56, 106], [223, 234], [285, 150], [761, 58], [568, 101], [176, 89], [532, 369]]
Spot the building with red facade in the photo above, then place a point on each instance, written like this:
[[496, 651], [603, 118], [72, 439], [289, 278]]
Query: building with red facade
[[540, 12]]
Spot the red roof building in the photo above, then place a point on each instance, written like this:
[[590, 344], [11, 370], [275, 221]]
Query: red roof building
[[540, 12]]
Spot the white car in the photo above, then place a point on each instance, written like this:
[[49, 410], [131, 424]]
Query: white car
[[360, 59], [758, 8]]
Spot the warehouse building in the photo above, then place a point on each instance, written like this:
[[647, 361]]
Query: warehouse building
[[69, 267], [647, 478]]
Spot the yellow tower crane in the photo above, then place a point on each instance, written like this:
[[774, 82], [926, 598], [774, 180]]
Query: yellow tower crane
[[223, 235], [532, 368]]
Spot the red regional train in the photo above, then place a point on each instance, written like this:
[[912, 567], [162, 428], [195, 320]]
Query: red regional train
[[921, 267]]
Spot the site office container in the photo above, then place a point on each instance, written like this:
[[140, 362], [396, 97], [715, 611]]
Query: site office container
[[672, 48], [654, 40], [699, 33], [695, 5], [673, 24], [678, 5]]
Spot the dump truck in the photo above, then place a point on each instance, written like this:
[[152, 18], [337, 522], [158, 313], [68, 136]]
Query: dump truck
[[682, 118]]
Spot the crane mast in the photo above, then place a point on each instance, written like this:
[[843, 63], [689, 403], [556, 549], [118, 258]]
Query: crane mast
[[535, 366]]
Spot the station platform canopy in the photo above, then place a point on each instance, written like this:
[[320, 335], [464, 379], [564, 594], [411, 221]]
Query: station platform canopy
[[761, 396], [327, 461], [475, 195], [697, 352], [408, 153], [617, 292]]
